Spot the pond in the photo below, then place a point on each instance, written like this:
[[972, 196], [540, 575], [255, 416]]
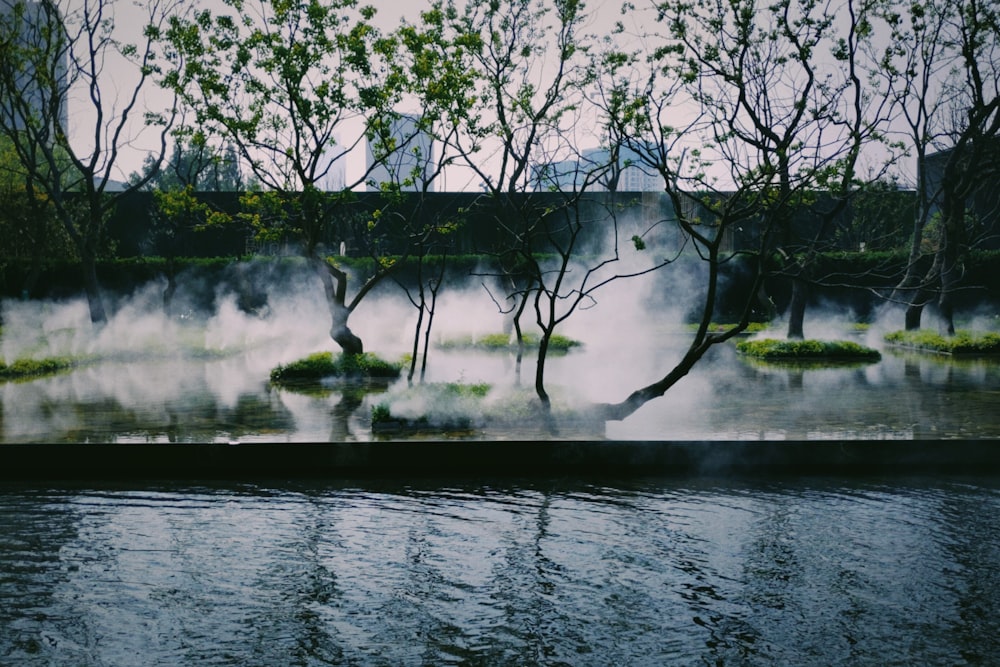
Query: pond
[[816, 571], [154, 378], [190, 399], [541, 569]]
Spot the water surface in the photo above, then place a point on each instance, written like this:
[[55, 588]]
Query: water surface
[[184, 399], [547, 572]]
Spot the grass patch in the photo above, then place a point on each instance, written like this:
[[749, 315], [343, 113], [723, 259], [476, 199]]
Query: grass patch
[[31, 368], [807, 350], [717, 327], [501, 342], [322, 365], [963, 342]]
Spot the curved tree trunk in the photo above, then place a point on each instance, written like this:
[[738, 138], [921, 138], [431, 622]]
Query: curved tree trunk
[[699, 347], [543, 349], [922, 294], [335, 288]]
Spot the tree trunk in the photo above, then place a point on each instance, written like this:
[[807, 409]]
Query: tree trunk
[[922, 294], [912, 318], [953, 215], [93, 289], [797, 309], [335, 288], [342, 335], [543, 349]]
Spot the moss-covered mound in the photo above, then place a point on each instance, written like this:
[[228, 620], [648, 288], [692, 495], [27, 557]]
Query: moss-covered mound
[[501, 342], [963, 342], [322, 365], [30, 368], [435, 406], [807, 350]]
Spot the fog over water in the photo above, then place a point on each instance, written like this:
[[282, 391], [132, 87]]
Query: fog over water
[[199, 374]]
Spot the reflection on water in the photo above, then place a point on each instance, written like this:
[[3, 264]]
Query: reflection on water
[[569, 573], [218, 399]]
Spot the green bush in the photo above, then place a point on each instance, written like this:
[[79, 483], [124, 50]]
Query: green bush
[[501, 341], [381, 414], [322, 365], [717, 327], [963, 342], [770, 348], [25, 368]]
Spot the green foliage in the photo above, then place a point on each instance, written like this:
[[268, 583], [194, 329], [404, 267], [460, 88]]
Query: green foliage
[[30, 368], [476, 390], [321, 365], [963, 342], [716, 327], [506, 342], [771, 348], [194, 164], [380, 414]]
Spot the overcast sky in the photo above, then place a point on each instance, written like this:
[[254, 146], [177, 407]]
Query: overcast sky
[[120, 77]]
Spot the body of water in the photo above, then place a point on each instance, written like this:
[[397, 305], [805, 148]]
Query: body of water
[[184, 399], [543, 572]]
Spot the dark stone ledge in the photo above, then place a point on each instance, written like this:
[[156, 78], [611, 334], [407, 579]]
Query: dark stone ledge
[[25, 462]]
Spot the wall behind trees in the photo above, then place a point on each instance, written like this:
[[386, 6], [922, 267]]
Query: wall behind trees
[[879, 220]]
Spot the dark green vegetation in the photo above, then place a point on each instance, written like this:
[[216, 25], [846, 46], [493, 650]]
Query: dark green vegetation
[[506, 342], [963, 342], [806, 350], [31, 368], [751, 328], [322, 365]]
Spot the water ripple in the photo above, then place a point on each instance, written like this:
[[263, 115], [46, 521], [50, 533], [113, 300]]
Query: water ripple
[[824, 572]]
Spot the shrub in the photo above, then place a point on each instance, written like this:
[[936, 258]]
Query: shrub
[[716, 327], [770, 348], [320, 365], [24, 368], [502, 342], [963, 342]]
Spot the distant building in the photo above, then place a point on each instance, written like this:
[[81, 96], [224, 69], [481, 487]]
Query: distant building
[[334, 179], [412, 159], [594, 169], [31, 21], [981, 184]]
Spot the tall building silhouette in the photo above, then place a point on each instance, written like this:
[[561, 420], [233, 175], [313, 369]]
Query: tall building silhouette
[[32, 32], [593, 167], [411, 162]]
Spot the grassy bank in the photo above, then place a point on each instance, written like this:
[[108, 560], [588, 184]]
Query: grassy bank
[[963, 342], [806, 350]]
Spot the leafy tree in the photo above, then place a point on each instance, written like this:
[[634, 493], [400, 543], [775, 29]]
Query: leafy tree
[[49, 51], [279, 81], [943, 66], [28, 224], [194, 164]]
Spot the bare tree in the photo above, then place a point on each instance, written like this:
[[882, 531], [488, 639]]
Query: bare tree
[[56, 54], [532, 65], [765, 122]]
